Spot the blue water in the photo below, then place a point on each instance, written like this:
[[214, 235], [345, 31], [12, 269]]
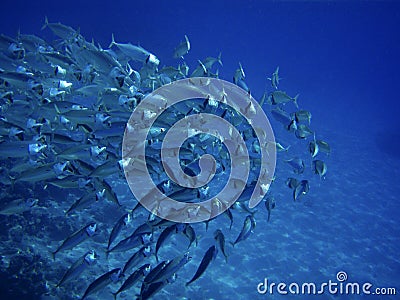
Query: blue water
[[343, 60]]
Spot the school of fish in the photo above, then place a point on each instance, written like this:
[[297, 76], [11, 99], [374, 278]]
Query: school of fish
[[64, 106]]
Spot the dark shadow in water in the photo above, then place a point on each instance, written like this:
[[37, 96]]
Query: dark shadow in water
[[389, 142]]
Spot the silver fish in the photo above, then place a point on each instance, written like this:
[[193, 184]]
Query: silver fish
[[136, 258], [281, 116], [208, 257], [190, 234], [124, 220], [275, 78], [131, 242], [297, 164], [319, 168], [301, 189], [133, 278], [209, 62], [248, 227], [165, 234], [313, 148], [302, 115], [101, 282], [324, 146], [80, 265], [270, 205], [292, 182], [182, 49], [135, 52], [85, 201], [220, 239], [18, 206], [61, 30], [77, 238], [280, 97], [303, 131]]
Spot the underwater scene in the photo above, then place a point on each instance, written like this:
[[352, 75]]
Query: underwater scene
[[199, 150]]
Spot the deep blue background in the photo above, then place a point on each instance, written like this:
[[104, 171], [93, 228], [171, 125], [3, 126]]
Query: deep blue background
[[343, 59]]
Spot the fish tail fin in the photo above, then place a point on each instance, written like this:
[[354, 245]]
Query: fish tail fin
[[188, 42], [252, 213], [46, 23], [295, 100], [113, 43], [219, 59], [217, 74], [57, 109], [115, 295], [233, 244]]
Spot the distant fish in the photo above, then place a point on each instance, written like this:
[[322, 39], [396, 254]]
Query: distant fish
[[275, 78], [220, 239], [303, 131], [135, 52], [133, 279], [280, 97], [248, 227], [77, 238], [207, 258], [297, 165], [165, 234], [269, 205], [123, 221], [61, 30], [320, 168], [190, 234], [292, 182], [313, 148], [136, 258], [302, 115], [18, 206], [170, 269], [228, 213], [301, 189], [132, 241], [85, 201], [102, 281], [238, 78], [278, 147], [182, 49], [281, 116], [209, 62], [324, 146], [80, 265]]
